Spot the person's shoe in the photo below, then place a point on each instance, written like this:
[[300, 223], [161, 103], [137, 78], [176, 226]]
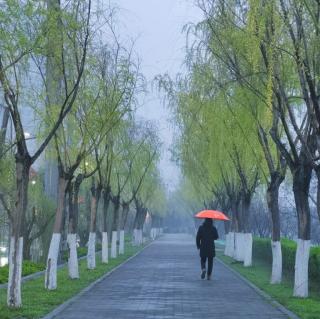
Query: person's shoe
[[209, 277], [203, 274]]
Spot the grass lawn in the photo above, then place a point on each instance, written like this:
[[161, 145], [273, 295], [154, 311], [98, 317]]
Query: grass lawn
[[37, 301], [259, 274]]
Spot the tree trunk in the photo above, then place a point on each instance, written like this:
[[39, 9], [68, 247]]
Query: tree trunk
[[141, 219], [119, 226], [121, 242], [106, 203], [154, 227], [124, 216], [73, 266], [317, 170], [137, 233], [105, 241], [16, 238], [301, 183], [26, 248], [105, 248], [52, 260], [236, 227], [273, 205], [244, 252], [115, 226], [135, 221], [4, 125], [91, 256]]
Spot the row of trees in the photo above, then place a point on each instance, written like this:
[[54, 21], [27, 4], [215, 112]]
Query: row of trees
[[248, 111], [64, 73]]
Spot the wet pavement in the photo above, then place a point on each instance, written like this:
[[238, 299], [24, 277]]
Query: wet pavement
[[164, 282]]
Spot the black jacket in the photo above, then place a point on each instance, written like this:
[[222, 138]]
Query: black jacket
[[206, 236]]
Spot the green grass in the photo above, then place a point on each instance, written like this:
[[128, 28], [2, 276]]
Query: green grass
[[37, 301], [259, 274], [28, 268]]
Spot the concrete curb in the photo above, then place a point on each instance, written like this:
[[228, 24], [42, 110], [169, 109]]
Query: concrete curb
[[63, 306], [273, 302]]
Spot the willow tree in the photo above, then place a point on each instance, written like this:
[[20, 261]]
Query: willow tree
[[158, 210], [231, 42], [24, 27], [218, 143], [79, 136], [137, 152], [144, 199], [270, 49], [120, 82]]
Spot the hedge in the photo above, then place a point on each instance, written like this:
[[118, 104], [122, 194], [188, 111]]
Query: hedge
[[262, 251], [28, 268]]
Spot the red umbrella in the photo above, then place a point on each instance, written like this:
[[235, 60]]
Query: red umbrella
[[213, 214]]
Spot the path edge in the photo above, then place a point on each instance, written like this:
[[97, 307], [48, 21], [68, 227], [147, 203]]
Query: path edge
[[263, 294], [64, 305]]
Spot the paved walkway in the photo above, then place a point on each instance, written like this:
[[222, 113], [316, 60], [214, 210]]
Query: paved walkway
[[164, 282]]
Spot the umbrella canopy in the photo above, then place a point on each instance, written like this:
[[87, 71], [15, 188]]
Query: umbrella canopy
[[213, 214]]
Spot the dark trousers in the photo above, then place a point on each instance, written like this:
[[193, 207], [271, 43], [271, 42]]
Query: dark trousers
[[210, 264]]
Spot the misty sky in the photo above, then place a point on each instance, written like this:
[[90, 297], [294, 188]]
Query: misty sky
[[156, 26]]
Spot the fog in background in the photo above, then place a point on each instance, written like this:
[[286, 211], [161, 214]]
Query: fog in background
[[156, 27]]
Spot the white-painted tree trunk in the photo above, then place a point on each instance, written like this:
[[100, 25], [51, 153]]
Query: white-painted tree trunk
[[134, 237], [228, 250], [105, 248], [231, 249], [73, 266], [140, 236], [91, 255], [137, 237], [52, 262], [14, 282], [152, 234], [301, 269], [238, 247], [243, 246], [247, 242], [114, 244], [276, 275], [121, 242]]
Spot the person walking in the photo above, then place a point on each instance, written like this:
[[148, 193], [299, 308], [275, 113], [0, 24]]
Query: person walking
[[206, 235]]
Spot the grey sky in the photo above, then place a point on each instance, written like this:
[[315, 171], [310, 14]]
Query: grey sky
[[156, 25]]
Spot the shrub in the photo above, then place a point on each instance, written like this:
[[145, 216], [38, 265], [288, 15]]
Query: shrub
[[262, 251], [28, 268]]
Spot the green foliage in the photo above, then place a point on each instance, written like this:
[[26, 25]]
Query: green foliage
[[262, 250], [28, 268]]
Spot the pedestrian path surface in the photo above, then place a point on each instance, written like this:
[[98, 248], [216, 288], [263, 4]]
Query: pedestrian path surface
[[164, 282]]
